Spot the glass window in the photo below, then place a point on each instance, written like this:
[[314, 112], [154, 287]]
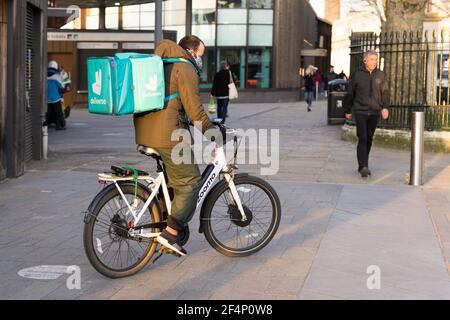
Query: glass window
[[174, 17], [226, 16], [148, 7], [209, 68], [232, 4], [260, 4], [128, 9], [131, 20], [203, 16], [169, 5], [112, 18], [205, 32], [232, 35], [236, 59], [204, 4], [261, 16], [260, 35], [258, 68], [147, 19], [92, 20]]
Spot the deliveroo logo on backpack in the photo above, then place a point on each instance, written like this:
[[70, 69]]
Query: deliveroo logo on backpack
[[152, 87], [97, 88], [153, 83]]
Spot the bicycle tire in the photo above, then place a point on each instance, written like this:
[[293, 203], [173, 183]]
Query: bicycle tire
[[90, 243], [211, 235]]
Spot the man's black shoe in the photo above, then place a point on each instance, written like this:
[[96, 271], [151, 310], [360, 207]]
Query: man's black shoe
[[365, 172], [171, 242]]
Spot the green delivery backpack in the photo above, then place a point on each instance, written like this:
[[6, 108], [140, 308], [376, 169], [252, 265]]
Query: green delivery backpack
[[129, 83]]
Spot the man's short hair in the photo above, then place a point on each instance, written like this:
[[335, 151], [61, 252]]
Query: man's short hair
[[369, 53], [190, 42]]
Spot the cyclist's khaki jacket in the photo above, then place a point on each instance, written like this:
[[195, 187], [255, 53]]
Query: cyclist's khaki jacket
[[154, 129]]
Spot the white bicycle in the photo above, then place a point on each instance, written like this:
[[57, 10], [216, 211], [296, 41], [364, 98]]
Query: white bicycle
[[239, 214]]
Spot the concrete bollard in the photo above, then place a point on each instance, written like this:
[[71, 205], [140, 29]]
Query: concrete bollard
[[44, 142]]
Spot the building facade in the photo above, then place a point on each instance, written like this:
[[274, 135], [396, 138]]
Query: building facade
[[266, 42], [23, 96]]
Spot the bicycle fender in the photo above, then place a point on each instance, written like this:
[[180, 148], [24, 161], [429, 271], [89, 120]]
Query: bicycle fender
[[89, 212], [213, 191]]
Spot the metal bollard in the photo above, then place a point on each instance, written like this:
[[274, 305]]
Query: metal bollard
[[417, 148], [44, 142]]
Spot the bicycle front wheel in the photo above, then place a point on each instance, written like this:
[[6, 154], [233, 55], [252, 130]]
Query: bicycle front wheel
[[223, 226], [108, 245]]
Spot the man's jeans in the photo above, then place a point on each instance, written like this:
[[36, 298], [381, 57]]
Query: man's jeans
[[366, 125], [309, 96], [185, 179], [222, 108]]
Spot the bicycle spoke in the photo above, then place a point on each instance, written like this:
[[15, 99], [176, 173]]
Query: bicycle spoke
[[238, 237]]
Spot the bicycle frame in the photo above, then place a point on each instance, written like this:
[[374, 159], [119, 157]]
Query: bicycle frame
[[218, 165]]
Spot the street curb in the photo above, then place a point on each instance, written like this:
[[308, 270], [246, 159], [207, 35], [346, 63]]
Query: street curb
[[435, 141]]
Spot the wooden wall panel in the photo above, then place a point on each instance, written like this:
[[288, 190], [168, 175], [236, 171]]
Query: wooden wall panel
[[3, 43], [295, 29]]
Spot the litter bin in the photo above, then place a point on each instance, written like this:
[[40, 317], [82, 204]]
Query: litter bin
[[337, 97]]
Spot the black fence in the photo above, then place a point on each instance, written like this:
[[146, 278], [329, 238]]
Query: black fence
[[416, 69]]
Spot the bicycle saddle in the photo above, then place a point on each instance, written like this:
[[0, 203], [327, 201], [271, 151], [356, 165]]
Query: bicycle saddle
[[149, 152]]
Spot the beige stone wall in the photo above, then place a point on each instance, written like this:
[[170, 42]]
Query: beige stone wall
[[332, 10]]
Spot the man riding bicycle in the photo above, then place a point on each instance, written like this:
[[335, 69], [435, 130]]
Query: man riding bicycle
[[154, 130]]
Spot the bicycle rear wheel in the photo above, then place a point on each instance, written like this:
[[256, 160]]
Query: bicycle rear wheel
[[108, 245], [221, 218]]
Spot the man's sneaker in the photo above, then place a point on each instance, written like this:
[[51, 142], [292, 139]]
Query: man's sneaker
[[309, 109], [171, 242], [365, 172]]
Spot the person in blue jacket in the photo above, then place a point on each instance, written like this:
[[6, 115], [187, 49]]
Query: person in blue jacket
[[55, 90]]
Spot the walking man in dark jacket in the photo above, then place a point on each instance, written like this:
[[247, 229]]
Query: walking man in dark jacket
[[368, 97]]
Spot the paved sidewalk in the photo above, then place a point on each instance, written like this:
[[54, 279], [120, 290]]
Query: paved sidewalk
[[334, 225]]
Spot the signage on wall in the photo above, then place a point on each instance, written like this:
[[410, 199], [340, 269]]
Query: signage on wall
[[100, 36], [138, 45], [97, 45]]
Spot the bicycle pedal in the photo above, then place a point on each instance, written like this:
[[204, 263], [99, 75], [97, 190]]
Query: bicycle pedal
[[170, 251]]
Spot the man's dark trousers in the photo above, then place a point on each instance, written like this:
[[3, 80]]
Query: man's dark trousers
[[55, 115], [366, 125]]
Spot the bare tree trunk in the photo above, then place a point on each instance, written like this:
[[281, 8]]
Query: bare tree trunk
[[407, 15], [402, 50]]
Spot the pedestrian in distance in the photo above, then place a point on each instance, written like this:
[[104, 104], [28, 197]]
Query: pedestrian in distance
[[55, 90], [220, 89], [309, 86]]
